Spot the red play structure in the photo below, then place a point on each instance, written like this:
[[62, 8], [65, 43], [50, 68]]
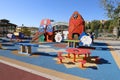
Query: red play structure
[[76, 25]]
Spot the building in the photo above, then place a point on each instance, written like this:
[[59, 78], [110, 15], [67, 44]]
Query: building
[[33, 31], [27, 30], [6, 27]]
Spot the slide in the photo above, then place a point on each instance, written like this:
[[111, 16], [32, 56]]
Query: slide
[[38, 37]]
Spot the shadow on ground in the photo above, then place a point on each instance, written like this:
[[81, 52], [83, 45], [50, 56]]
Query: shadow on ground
[[99, 46], [44, 54], [97, 60]]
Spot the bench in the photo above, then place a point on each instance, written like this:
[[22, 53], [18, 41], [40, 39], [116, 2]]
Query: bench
[[25, 48]]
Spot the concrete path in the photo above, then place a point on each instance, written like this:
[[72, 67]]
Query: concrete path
[[115, 45]]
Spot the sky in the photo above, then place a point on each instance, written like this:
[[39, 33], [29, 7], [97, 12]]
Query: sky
[[31, 12]]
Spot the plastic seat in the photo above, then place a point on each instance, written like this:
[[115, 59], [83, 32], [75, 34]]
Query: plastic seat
[[82, 62], [60, 57]]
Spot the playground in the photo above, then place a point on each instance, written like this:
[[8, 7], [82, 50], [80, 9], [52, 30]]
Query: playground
[[44, 56], [79, 57]]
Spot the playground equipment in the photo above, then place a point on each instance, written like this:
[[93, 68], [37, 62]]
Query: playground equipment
[[45, 32], [9, 35], [65, 35], [16, 35], [60, 57], [38, 37], [58, 37], [85, 40], [76, 31], [76, 26], [82, 62]]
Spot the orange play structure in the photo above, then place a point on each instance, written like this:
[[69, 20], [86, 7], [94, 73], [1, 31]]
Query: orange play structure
[[76, 25]]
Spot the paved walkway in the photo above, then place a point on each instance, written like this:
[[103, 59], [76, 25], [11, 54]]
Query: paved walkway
[[36, 70], [11, 73], [115, 45]]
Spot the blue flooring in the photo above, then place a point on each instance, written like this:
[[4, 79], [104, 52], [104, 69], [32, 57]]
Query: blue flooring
[[107, 69]]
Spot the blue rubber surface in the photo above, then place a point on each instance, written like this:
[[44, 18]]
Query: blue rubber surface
[[107, 69]]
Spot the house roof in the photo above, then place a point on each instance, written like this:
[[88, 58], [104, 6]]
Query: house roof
[[6, 22]]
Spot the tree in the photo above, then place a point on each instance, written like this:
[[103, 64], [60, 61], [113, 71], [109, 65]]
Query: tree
[[110, 6], [87, 26], [106, 25], [101, 28], [26, 31], [109, 25], [110, 29], [95, 24], [116, 15]]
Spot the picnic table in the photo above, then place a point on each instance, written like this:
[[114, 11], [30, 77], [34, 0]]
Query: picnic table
[[77, 51]]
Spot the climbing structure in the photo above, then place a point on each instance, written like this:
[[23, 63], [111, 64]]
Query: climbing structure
[[48, 29], [45, 32], [76, 25]]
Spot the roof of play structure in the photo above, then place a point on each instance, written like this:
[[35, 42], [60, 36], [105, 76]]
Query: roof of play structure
[[60, 23]]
